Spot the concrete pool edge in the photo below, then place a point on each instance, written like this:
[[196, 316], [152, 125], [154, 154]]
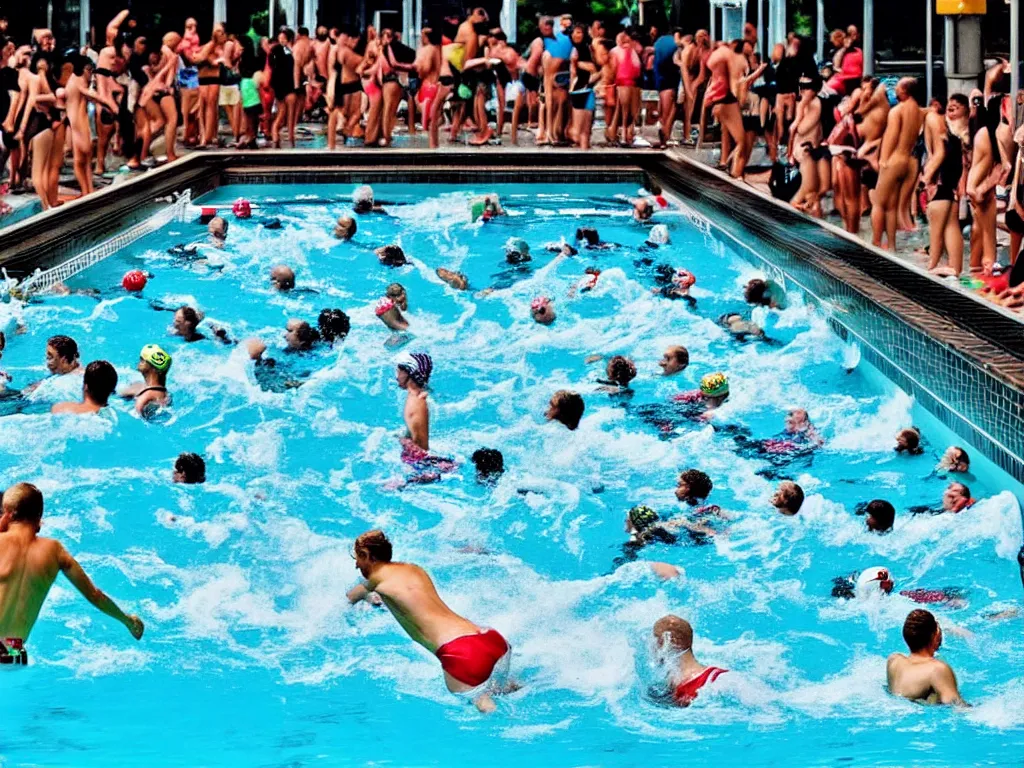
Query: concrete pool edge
[[941, 345]]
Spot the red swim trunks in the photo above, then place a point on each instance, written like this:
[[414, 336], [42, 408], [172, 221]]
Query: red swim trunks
[[687, 692], [471, 659]]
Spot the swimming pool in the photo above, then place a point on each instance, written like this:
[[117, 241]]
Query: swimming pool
[[251, 654]]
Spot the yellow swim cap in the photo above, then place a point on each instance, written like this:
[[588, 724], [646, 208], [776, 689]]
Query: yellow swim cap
[[714, 385], [156, 357]]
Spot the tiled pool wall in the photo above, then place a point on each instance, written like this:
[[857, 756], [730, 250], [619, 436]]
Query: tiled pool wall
[[962, 362]]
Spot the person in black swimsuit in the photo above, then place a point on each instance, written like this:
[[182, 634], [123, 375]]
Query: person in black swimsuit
[[283, 82], [942, 175]]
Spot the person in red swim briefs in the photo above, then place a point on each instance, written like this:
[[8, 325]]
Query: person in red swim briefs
[[475, 661], [675, 635]]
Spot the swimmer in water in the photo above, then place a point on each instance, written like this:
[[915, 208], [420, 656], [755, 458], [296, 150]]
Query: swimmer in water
[[645, 527], [908, 441], [954, 460], [282, 278], [658, 236], [98, 384], [643, 210], [152, 393], [674, 636], [589, 238], [363, 202], [788, 498], [919, 676], [677, 285], [218, 231], [956, 498], [490, 465], [740, 328], [675, 360], [517, 251], [333, 325], [765, 293], [565, 407], [686, 407], [61, 359], [345, 228], [397, 293], [390, 314], [542, 310], [475, 661], [878, 580], [412, 371], [713, 392], [619, 372], [300, 336], [391, 256], [879, 515], [588, 283], [29, 564], [456, 280], [186, 324], [693, 487], [189, 469], [798, 428], [485, 208]]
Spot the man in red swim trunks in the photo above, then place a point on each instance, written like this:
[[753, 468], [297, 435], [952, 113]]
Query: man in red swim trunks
[[470, 656], [675, 635]]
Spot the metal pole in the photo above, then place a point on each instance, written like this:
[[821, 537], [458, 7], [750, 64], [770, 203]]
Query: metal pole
[[1014, 51], [949, 42], [83, 22], [760, 31], [711, 26], [220, 11], [271, 24], [821, 29], [928, 50], [869, 37]]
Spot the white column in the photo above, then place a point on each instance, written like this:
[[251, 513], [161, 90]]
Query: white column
[[869, 37], [418, 23], [761, 47], [83, 22], [407, 34], [220, 11], [711, 24], [928, 51], [271, 24], [821, 29], [1014, 52], [309, 10], [291, 12]]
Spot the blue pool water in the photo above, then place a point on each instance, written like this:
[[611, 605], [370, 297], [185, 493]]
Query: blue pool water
[[251, 654]]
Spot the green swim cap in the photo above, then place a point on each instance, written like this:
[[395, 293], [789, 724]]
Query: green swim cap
[[642, 517], [464, 93], [714, 385], [156, 357]]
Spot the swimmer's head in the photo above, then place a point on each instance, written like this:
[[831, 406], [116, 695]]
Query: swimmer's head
[[715, 386], [153, 358], [565, 407], [909, 441], [190, 469], [588, 235], [955, 459], [693, 486], [345, 228], [788, 498], [517, 250], [490, 464], [22, 503], [61, 355], [99, 381], [921, 631], [371, 549], [675, 359], [414, 367], [956, 497], [218, 229], [683, 279], [300, 336], [621, 370], [456, 280], [643, 209], [186, 320], [542, 310], [396, 292], [241, 208], [333, 325], [872, 580], [757, 293], [391, 255], [797, 421], [674, 634], [880, 515], [282, 277], [640, 518], [658, 235], [362, 199]]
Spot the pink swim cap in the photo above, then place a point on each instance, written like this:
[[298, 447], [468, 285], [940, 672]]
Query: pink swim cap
[[684, 278], [241, 208]]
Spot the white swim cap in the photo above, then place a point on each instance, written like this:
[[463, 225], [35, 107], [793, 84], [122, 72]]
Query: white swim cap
[[872, 580], [658, 235], [363, 194]]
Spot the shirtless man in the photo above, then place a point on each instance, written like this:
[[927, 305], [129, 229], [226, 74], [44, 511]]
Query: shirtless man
[[470, 656], [28, 567], [674, 635], [695, 76], [871, 116], [98, 384], [345, 90], [303, 52], [413, 373], [530, 78], [919, 676], [109, 65], [805, 138], [901, 132], [77, 93], [465, 48], [321, 66], [428, 70]]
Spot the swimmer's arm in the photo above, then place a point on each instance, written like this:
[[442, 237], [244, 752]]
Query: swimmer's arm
[[78, 578], [868, 147], [936, 147], [358, 593], [130, 391], [944, 684]]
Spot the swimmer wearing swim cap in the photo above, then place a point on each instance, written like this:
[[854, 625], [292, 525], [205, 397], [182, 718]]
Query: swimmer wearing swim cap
[[517, 251], [542, 310], [154, 365], [345, 228], [218, 231], [658, 235], [485, 208], [714, 387], [412, 372], [362, 200]]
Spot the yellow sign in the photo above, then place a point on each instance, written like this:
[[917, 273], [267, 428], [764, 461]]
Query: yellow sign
[[960, 7]]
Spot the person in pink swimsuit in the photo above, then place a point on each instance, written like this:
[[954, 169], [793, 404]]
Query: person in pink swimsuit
[[675, 635]]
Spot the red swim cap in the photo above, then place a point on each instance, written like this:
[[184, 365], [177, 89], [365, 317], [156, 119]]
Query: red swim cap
[[241, 208], [135, 280]]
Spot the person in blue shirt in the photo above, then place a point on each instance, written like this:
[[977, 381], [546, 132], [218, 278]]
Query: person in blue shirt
[[667, 76], [558, 46]]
